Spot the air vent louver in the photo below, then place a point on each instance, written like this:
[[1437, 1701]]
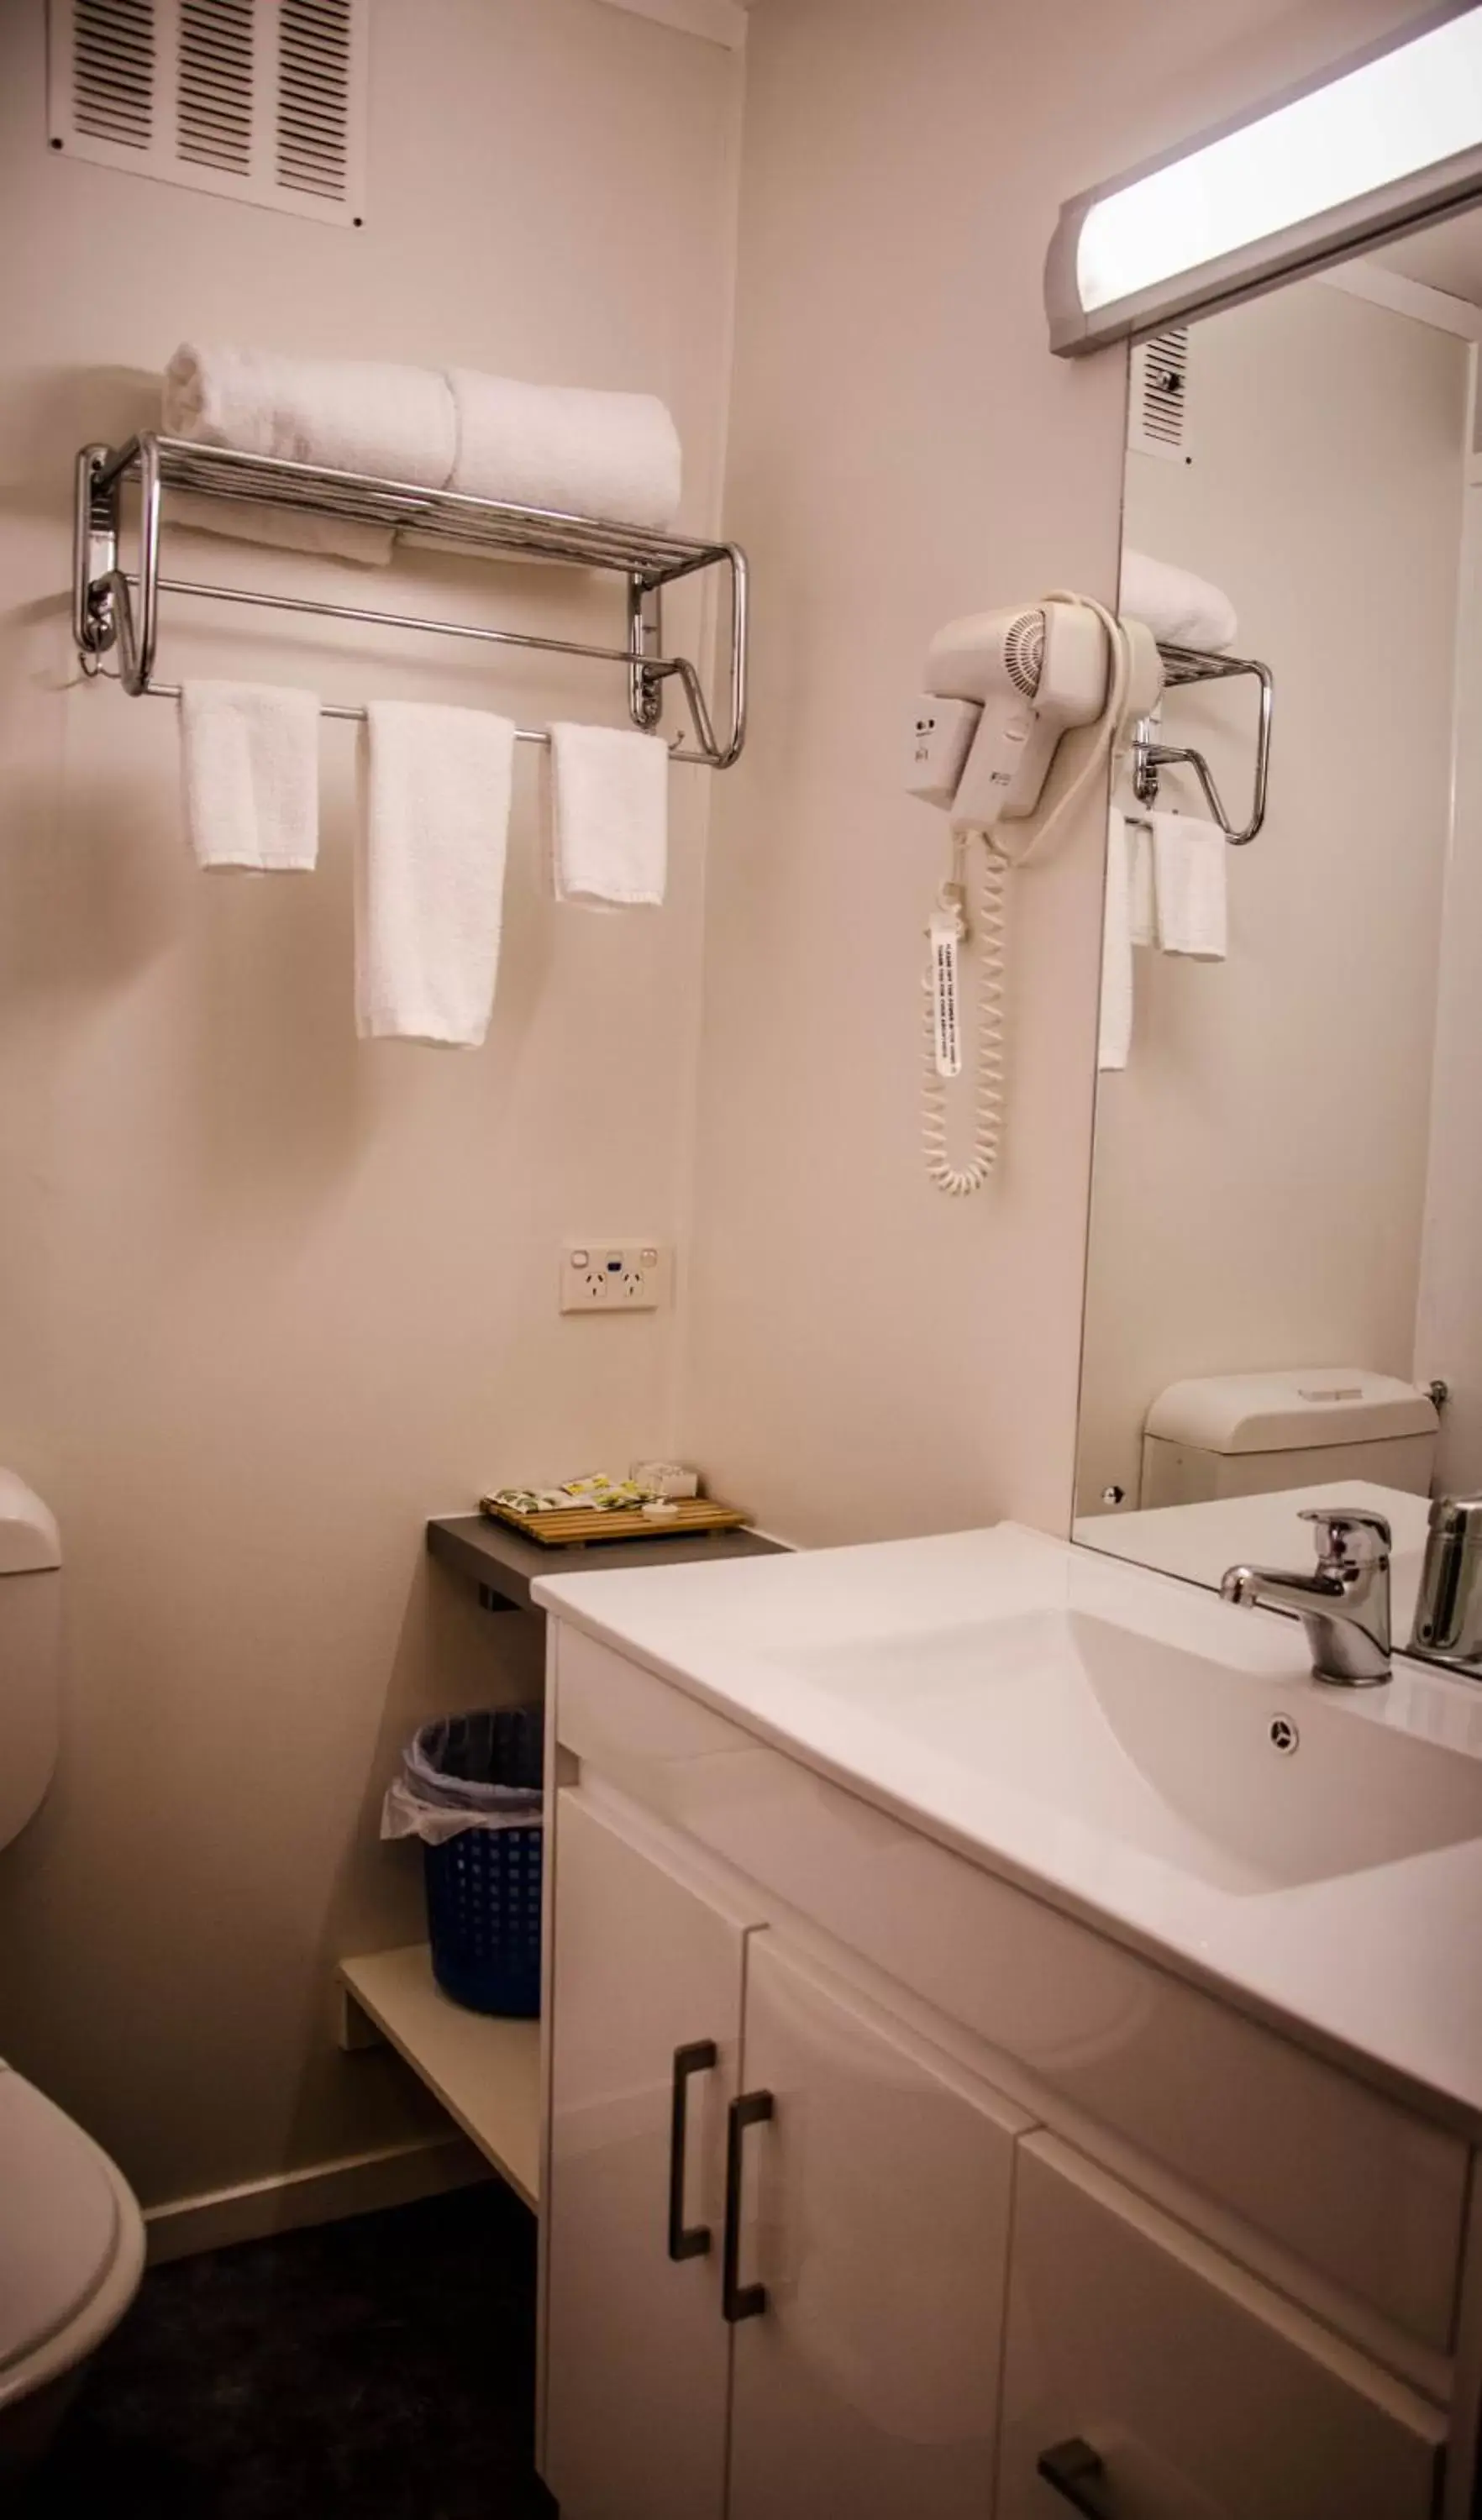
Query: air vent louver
[[262, 100], [1157, 420], [112, 70], [314, 96], [214, 120]]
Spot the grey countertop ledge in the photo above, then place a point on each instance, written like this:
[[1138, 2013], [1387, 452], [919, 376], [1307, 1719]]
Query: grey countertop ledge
[[504, 1565]]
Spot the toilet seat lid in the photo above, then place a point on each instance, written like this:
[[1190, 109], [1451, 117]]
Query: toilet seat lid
[[60, 2216]]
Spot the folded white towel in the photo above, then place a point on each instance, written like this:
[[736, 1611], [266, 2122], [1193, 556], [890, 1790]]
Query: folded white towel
[[282, 528], [429, 871], [354, 415], [249, 753], [1114, 1043], [565, 447], [610, 790], [1177, 606], [1190, 867]]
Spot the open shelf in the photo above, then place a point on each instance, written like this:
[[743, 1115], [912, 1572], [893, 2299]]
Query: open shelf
[[485, 2070], [488, 526]]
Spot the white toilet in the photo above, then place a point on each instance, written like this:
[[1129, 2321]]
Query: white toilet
[[71, 2236]]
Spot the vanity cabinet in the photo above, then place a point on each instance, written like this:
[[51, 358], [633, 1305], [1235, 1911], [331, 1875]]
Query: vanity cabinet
[[1018, 2225], [845, 2332], [1166, 2384]]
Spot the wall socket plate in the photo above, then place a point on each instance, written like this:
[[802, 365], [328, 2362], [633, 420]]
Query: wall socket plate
[[614, 1276]]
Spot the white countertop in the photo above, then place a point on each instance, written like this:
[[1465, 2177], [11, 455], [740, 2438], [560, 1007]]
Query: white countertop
[[1030, 1705]]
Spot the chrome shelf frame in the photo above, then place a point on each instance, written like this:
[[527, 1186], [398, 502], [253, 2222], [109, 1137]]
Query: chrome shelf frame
[[114, 609], [1150, 756]]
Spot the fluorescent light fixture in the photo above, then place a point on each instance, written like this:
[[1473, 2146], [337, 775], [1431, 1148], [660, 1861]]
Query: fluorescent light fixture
[[1375, 147]]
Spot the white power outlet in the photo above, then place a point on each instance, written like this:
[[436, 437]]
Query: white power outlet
[[614, 1276]]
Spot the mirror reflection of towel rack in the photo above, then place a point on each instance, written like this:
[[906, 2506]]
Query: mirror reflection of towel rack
[[1151, 757], [119, 610]]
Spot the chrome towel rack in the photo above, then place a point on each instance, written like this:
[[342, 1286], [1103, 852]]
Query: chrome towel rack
[[1150, 756], [114, 609]]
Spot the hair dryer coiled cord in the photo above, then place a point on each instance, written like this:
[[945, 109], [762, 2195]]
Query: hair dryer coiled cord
[[990, 935], [989, 1082]]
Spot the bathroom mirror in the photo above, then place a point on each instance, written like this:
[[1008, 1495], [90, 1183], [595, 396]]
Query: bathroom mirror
[[1285, 1248]]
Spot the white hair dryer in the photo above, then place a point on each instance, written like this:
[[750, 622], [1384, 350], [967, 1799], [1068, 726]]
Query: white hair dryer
[[1002, 689]]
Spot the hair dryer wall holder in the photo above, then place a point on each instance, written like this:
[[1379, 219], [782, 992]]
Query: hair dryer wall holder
[[1151, 757]]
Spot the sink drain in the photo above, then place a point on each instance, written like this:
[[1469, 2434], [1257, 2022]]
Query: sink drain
[[1282, 1735]]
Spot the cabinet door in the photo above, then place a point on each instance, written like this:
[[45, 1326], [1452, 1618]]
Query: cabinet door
[[1179, 2387], [647, 1965], [875, 2213]]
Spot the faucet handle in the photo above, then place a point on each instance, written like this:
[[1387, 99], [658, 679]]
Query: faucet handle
[[1348, 1534]]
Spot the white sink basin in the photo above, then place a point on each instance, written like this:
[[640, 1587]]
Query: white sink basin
[[1162, 1748]]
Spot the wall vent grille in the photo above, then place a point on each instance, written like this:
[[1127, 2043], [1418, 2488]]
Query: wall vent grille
[[1157, 414], [262, 100]]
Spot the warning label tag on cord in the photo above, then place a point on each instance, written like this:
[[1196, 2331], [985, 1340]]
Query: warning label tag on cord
[[944, 932]]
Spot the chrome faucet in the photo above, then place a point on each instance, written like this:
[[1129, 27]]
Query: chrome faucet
[[1448, 1624], [1343, 1604]]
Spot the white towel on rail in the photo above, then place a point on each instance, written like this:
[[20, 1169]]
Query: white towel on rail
[[568, 447], [1183, 609], [1114, 1041], [429, 871], [610, 798], [249, 756], [1190, 862]]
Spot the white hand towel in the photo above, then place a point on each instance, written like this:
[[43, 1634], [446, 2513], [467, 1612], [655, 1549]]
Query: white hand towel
[[1142, 911], [249, 753], [1189, 867], [1114, 1043], [565, 447], [429, 871], [610, 793], [1177, 606], [353, 415]]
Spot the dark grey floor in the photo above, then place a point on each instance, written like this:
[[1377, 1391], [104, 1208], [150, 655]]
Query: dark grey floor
[[381, 2368]]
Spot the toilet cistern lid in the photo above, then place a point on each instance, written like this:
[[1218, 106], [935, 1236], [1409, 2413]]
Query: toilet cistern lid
[[30, 1540], [60, 2217], [1298, 1410]]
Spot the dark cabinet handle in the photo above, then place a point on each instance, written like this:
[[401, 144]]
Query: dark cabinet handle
[[738, 2300], [699, 2058], [1075, 2470]]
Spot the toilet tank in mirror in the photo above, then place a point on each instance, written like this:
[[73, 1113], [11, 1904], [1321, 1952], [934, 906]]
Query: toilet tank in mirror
[[1284, 1282], [30, 1651]]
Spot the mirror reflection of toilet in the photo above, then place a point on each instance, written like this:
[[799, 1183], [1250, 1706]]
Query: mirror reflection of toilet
[[74, 2250]]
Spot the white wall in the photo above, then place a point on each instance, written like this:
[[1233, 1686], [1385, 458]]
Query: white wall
[[868, 1356], [1259, 1163], [1448, 1322], [267, 1297]]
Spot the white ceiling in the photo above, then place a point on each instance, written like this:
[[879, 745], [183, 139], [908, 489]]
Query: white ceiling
[[1448, 258]]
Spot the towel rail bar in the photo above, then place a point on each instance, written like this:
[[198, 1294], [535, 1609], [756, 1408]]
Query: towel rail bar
[[1182, 667], [113, 608]]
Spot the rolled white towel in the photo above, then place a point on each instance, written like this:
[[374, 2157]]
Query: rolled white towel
[[352, 415], [1183, 609], [571, 448]]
